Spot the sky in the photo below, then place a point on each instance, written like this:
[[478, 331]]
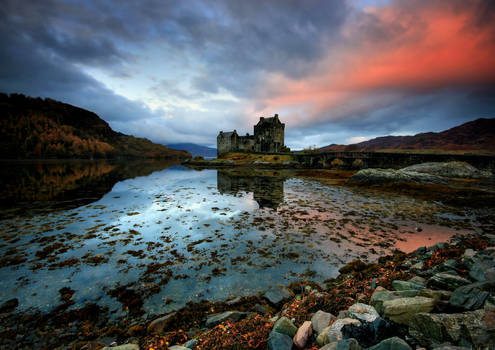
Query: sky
[[180, 71]]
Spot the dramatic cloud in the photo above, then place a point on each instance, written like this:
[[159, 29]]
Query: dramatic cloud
[[335, 71]]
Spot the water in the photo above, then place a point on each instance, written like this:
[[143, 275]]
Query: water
[[175, 235]]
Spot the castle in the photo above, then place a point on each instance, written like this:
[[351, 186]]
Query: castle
[[268, 138]]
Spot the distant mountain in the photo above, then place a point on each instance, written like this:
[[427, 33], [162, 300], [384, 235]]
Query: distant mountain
[[471, 136], [45, 128], [194, 149]]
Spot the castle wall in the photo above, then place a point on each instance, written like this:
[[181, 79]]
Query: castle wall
[[246, 143], [226, 142]]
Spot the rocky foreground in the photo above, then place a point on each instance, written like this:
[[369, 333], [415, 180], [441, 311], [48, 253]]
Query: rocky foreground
[[442, 297]]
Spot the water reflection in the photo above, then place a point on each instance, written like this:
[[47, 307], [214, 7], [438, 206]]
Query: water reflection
[[268, 191], [48, 185]]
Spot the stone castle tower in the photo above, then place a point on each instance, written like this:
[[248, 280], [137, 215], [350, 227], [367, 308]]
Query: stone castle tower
[[268, 138]]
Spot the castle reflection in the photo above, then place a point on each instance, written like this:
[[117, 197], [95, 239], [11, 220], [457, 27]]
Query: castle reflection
[[268, 191]]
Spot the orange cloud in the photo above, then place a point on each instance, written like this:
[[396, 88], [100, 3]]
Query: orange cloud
[[405, 47]]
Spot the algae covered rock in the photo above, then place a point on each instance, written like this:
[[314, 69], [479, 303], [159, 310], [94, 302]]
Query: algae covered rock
[[279, 341], [285, 326], [402, 309], [333, 333], [394, 343]]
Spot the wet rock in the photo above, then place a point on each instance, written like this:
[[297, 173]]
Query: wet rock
[[371, 333], [446, 266], [303, 334], [321, 320], [472, 296], [123, 347], [448, 169], [384, 176], [333, 333], [158, 325], [394, 343], [279, 341], [277, 294], [402, 309], [234, 316], [9, 306], [381, 294], [285, 326], [446, 281], [481, 265], [191, 343], [406, 285], [363, 312], [435, 294], [472, 328], [345, 344], [261, 309]]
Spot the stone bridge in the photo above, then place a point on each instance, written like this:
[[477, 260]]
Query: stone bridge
[[358, 160]]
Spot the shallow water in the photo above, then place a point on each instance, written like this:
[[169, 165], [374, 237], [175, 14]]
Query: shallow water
[[178, 235]]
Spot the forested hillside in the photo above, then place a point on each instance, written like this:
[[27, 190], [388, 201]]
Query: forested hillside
[[45, 128]]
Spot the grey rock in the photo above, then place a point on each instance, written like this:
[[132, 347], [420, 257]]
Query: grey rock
[[158, 325], [381, 294], [333, 333], [122, 347], [401, 310], [214, 319], [394, 343], [277, 294], [406, 285], [449, 347], [448, 169], [321, 320], [384, 176], [285, 326], [279, 341], [344, 344], [363, 312], [472, 329], [472, 296], [178, 347], [261, 309], [449, 265], [481, 263], [191, 343], [418, 280], [435, 294], [446, 281]]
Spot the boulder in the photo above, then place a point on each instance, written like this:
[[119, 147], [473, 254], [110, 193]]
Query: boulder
[[333, 333], [448, 169], [472, 296], [473, 328], [381, 294], [363, 312], [321, 320], [446, 281], [480, 264], [406, 285], [123, 347], [435, 294], [158, 325], [394, 343], [285, 326], [277, 294], [371, 333], [234, 316], [279, 341], [385, 176], [402, 309], [302, 335], [345, 344]]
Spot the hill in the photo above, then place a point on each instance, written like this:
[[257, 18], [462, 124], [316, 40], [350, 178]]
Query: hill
[[194, 149], [45, 128], [476, 135]]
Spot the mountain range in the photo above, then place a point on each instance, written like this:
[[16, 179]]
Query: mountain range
[[476, 135], [194, 149], [45, 128]]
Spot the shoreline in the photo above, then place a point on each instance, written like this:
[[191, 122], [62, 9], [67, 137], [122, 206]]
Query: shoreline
[[66, 329]]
